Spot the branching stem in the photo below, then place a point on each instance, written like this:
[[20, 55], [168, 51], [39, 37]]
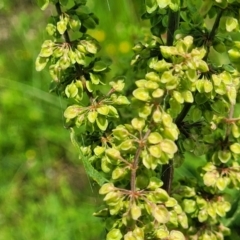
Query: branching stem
[[136, 161], [68, 40], [173, 24]]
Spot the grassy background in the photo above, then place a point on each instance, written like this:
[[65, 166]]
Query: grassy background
[[44, 192]]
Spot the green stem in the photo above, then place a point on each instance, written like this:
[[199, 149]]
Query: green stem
[[213, 32], [68, 40], [59, 12], [168, 170], [173, 24]]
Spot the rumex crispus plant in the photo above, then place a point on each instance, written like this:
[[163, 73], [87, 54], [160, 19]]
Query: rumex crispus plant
[[185, 103]]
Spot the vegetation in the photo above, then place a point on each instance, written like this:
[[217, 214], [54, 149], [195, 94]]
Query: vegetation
[[164, 149]]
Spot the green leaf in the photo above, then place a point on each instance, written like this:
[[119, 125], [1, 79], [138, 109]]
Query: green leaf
[[168, 146], [91, 171], [43, 4], [113, 153], [106, 188], [71, 90], [235, 148], [210, 178], [178, 97], [89, 86], [138, 123], [160, 195], [158, 93], [235, 130], [138, 233], [167, 120], [135, 211], [222, 183], [176, 235], [102, 122], [189, 205], [231, 24], [41, 63], [64, 2], [224, 155], [126, 145], [151, 5], [100, 66], [46, 52], [118, 86], [99, 150], [92, 47], [114, 234], [121, 100], [61, 26], [154, 138], [141, 94], [94, 78], [118, 172], [104, 110], [162, 233], [187, 96], [202, 215], [160, 213], [154, 183], [232, 94], [163, 3], [92, 116], [155, 151], [73, 111], [157, 116], [74, 23]]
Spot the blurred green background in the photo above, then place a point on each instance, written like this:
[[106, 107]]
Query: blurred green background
[[44, 191]]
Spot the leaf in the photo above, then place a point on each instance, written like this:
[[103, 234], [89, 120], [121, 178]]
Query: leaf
[[61, 26], [163, 3], [104, 110], [235, 148], [157, 116], [91, 171], [114, 234], [155, 151], [121, 100], [151, 5], [102, 122], [168, 146], [138, 123], [231, 24], [113, 153], [89, 86], [92, 47], [41, 63], [106, 188], [232, 94], [160, 213], [176, 235], [73, 111], [100, 66], [74, 23], [158, 93], [135, 211], [71, 90], [92, 116], [178, 97], [154, 138], [95, 79], [141, 94], [43, 4]]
